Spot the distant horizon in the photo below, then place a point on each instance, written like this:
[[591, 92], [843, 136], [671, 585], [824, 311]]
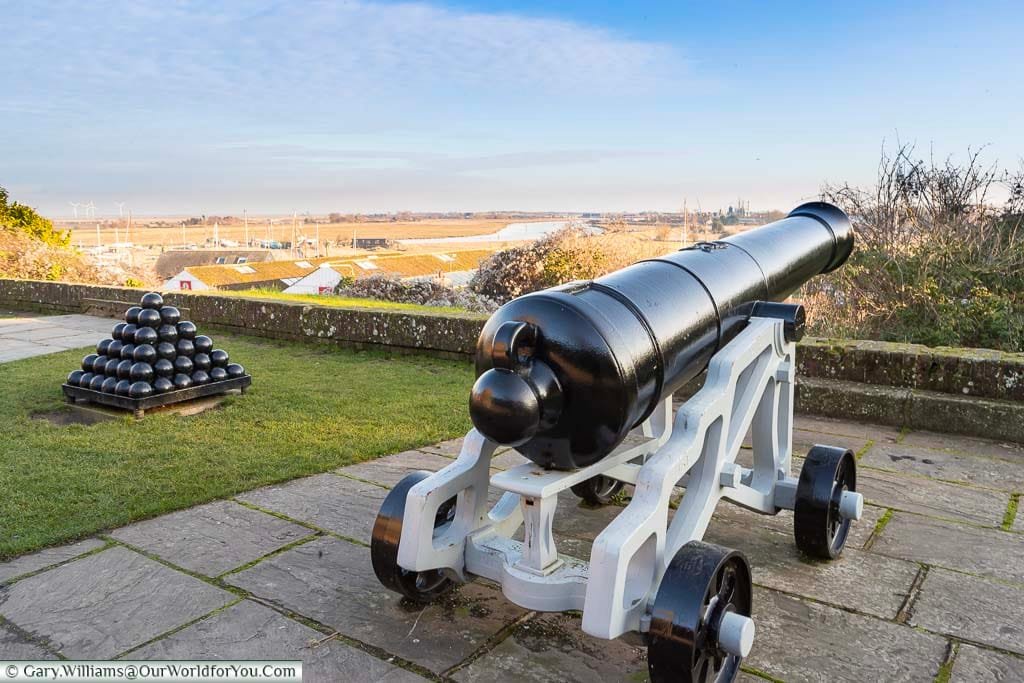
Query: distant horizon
[[255, 215], [377, 106]]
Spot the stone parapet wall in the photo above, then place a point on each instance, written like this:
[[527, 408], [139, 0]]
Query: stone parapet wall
[[966, 391]]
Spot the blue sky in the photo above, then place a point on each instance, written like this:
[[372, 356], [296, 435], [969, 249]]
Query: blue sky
[[189, 107]]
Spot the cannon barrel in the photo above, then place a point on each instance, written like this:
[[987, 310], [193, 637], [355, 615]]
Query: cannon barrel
[[564, 374]]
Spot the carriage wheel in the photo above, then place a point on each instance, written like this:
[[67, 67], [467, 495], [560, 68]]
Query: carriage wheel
[[421, 587], [818, 525], [599, 490], [698, 632]]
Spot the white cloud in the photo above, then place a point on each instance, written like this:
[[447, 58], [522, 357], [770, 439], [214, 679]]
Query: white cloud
[[348, 52]]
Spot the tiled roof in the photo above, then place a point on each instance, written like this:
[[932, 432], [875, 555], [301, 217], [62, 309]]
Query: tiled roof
[[173, 261], [411, 265], [253, 273]]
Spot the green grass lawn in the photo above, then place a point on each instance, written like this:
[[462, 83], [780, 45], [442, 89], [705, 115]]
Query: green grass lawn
[[335, 301], [310, 409]]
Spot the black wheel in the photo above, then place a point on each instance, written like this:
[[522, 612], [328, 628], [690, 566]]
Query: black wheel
[[819, 529], [420, 587], [599, 490], [702, 584]]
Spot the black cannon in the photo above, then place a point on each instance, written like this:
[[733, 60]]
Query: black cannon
[[564, 374]]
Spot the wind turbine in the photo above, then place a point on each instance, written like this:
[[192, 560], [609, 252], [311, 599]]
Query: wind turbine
[[75, 205], [90, 209], [120, 209]]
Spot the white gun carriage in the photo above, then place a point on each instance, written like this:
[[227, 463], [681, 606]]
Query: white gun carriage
[[580, 380]]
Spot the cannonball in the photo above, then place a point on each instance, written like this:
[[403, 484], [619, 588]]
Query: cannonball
[[203, 344], [200, 377], [96, 383], [182, 381], [146, 335], [110, 369], [122, 386], [88, 361], [84, 380], [75, 378], [183, 364], [235, 370], [219, 358], [167, 333], [149, 318], [116, 332], [170, 315], [144, 353], [185, 347], [187, 329], [128, 333], [140, 390], [132, 315], [127, 351], [163, 368], [141, 372], [166, 350], [201, 361], [162, 385], [102, 346], [124, 369], [114, 350], [109, 383], [99, 366], [152, 300], [218, 374]]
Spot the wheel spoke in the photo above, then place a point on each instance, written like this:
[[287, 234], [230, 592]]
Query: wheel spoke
[[727, 589]]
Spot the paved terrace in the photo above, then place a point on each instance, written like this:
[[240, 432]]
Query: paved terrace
[[930, 587], [23, 335]]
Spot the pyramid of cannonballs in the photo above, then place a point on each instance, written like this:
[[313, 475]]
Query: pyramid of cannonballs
[[152, 352]]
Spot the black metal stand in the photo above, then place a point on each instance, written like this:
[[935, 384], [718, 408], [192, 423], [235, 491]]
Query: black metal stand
[[139, 406]]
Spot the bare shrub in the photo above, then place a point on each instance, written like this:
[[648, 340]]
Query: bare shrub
[[936, 262], [23, 257], [424, 292], [567, 255]]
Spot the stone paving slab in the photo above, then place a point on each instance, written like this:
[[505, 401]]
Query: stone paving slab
[[28, 336], [964, 444], [798, 640], [507, 460], [782, 522], [11, 350], [551, 648], [331, 581], [933, 498], [212, 539], [972, 608], [857, 580], [251, 631], [14, 645], [337, 504], [993, 553], [101, 605], [993, 472], [974, 665], [862, 430], [391, 469], [450, 448], [27, 564]]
